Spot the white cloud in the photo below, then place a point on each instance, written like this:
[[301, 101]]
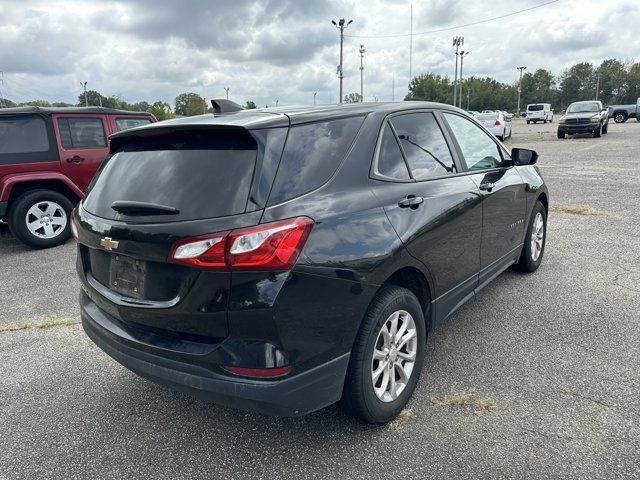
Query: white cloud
[[288, 49]]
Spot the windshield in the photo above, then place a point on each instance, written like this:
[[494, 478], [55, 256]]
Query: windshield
[[583, 107]]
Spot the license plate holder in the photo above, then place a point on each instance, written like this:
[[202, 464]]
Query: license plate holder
[[127, 276]]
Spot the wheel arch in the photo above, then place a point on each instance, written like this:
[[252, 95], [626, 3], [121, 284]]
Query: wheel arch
[[544, 200], [415, 281], [21, 187]]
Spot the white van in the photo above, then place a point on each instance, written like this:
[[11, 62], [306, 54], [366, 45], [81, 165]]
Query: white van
[[539, 112]]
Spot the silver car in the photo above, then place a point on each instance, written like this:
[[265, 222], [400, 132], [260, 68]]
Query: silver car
[[496, 123]]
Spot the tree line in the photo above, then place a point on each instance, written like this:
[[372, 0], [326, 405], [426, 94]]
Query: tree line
[[185, 105], [613, 81]]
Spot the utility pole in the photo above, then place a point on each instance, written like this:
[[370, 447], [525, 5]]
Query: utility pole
[[341, 25], [468, 95], [361, 73], [226, 91], [393, 88], [314, 97], [597, 86], [519, 87], [457, 42], [84, 85], [411, 43], [463, 54], [276, 103], [204, 105]]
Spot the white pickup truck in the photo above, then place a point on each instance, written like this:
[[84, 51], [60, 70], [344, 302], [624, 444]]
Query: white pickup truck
[[621, 113]]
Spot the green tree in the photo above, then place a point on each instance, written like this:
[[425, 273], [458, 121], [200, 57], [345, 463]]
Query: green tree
[[250, 105], [577, 83], [353, 97], [35, 103], [161, 110], [93, 99], [141, 106], [613, 85], [6, 103], [189, 104], [430, 87], [538, 87]]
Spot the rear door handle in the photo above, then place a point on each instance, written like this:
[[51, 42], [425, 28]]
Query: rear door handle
[[75, 159], [487, 186], [410, 201]]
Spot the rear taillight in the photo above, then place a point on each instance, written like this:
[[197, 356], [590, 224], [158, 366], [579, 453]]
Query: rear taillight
[[498, 123], [271, 246]]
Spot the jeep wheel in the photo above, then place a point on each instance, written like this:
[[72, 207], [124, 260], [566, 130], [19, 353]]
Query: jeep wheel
[[41, 218]]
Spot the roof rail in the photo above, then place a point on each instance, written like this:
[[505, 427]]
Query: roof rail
[[220, 105]]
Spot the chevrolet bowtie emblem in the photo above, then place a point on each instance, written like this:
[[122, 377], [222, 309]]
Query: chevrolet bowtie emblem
[[109, 244]]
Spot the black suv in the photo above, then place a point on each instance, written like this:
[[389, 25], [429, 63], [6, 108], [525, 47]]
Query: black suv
[[282, 260]]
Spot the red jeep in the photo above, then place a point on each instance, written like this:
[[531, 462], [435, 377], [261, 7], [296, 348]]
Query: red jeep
[[48, 157]]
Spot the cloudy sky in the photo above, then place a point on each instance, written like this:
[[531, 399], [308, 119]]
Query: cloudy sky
[[288, 49]]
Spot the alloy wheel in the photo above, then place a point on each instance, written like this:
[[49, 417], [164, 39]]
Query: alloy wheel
[[537, 236], [46, 219], [394, 356]]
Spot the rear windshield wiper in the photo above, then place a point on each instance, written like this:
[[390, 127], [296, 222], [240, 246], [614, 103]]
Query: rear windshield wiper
[[130, 207]]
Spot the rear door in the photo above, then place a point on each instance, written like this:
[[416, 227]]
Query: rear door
[[433, 206], [82, 143], [503, 194]]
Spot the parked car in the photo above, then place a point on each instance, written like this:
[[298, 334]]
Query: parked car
[[48, 157], [621, 113], [496, 123], [584, 117], [473, 113], [507, 115], [539, 112], [301, 254]]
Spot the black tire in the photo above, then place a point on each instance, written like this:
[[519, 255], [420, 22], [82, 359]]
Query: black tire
[[597, 133], [359, 398], [551, 121], [528, 122], [527, 262], [18, 218], [605, 128], [544, 121], [620, 117], [561, 134], [638, 118]]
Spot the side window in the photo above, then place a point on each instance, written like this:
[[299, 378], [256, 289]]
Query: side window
[[23, 134], [127, 123], [479, 150], [311, 155], [81, 133], [390, 160], [424, 145]]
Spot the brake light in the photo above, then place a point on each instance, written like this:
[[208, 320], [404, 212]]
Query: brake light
[[271, 246], [498, 123]]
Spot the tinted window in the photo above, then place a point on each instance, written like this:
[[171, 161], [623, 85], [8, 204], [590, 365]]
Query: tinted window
[[126, 123], [23, 135], [390, 161], [535, 108], [424, 145], [478, 149], [202, 174], [81, 133], [311, 155]]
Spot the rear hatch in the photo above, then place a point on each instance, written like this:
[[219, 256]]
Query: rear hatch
[[156, 188]]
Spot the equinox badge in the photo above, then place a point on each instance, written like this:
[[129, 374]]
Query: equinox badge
[[109, 244]]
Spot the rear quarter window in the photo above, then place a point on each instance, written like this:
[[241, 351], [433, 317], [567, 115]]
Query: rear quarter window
[[23, 135], [311, 155], [127, 123]]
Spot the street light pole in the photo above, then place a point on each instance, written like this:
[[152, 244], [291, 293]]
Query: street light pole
[[361, 73], [314, 97], [84, 85], [457, 42], [226, 91], [463, 54], [341, 25], [519, 87]]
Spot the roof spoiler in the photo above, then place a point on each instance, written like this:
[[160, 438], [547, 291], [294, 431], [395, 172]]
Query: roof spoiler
[[220, 105]]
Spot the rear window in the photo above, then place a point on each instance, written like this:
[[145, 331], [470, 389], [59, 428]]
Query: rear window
[[487, 116], [127, 123], [311, 155], [535, 108], [23, 135], [203, 174]]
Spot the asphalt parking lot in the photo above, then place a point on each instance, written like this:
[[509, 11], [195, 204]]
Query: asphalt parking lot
[[537, 376]]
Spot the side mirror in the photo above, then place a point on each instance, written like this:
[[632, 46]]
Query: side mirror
[[523, 156]]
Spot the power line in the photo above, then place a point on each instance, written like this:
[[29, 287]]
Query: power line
[[457, 26]]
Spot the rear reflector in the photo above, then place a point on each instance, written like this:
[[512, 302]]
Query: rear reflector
[[259, 372], [270, 246]]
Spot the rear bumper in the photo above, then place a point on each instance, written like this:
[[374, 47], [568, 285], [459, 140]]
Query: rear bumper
[[297, 395], [3, 209], [571, 129]]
